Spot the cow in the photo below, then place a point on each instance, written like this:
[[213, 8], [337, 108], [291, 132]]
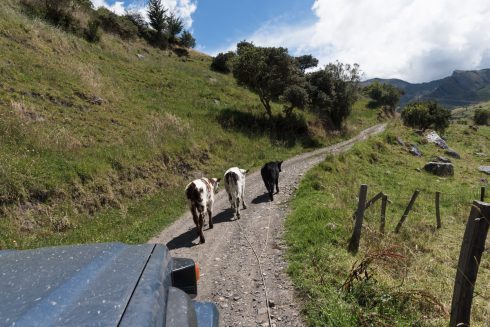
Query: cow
[[200, 193], [235, 187], [270, 175]]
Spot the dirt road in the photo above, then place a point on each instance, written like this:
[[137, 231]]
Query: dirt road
[[230, 273]]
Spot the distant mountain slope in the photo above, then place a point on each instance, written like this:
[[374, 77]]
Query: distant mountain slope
[[461, 88]]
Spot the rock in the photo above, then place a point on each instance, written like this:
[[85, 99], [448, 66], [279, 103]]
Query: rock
[[400, 141], [216, 101], [440, 168], [140, 56], [480, 154], [415, 151], [440, 159], [484, 169], [433, 137], [450, 152]]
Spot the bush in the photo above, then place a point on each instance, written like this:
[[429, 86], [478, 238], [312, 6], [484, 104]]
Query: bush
[[58, 12], [92, 33], [222, 62], [187, 40], [119, 25], [481, 116], [425, 115]]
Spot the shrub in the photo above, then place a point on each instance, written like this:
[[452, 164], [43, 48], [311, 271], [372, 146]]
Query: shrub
[[481, 116], [222, 62], [428, 114], [119, 25], [187, 40], [92, 32], [181, 52]]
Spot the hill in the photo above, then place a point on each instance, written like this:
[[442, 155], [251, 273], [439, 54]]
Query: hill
[[461, 88], [98, 140]]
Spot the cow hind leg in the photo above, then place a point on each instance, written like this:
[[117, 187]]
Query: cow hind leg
[[237, 208], [210, 215], [199, 229], [195, 217], [277, 184]]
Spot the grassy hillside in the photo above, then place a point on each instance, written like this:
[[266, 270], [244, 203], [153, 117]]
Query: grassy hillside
[[467, 112], [412, 273], [97, 141]]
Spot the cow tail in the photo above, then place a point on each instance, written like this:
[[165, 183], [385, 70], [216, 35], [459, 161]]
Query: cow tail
[[231, 178], [193, 193]]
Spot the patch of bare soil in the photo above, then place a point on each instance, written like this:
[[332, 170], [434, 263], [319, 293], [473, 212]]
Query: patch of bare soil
[[230, 274]]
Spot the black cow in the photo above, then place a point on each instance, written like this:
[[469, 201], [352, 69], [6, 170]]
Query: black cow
[[270, 175]]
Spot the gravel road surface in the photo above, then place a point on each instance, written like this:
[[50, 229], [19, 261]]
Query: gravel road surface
[[230, 274]]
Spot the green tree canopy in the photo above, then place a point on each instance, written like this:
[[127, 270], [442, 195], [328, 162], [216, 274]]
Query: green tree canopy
[[426, 114], [306, 61], [383, 95], [333, 90], [157, 15], [272, 74]]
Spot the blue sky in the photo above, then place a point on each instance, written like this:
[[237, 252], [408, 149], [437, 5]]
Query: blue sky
[[414, 40], [219, 23]]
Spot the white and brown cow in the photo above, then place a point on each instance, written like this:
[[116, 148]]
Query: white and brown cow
[[200, 193], [235, 187]]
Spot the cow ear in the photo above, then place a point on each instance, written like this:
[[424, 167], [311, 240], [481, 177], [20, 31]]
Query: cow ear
[[218, 180], [244, 171]]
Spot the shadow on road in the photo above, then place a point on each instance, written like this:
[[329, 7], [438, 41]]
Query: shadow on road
[[184, 240], [261, 199], [224, 216]]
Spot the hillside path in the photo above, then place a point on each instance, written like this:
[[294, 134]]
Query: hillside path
[[230, 275]]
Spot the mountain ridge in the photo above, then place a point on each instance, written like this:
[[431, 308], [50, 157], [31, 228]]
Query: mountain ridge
[[462, 87]]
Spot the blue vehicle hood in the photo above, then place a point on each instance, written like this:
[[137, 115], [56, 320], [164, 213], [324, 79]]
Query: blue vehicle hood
[[98, 285]]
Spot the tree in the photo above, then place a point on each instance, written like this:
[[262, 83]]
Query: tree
[[305, 62], [139, 21], [174, 27], [222, 62], [427, 114], [385, 96], [269, 72], [332, 91], [157, 15], [187, 40]]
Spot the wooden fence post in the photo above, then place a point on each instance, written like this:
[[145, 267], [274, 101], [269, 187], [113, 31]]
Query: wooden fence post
[[407, 211], [482, 194], [469, 260], [356, 234], [384, 200], [438, 212]]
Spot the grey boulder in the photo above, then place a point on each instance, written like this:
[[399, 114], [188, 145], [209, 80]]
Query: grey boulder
[[440, 168], [452, 153], [484, 169]]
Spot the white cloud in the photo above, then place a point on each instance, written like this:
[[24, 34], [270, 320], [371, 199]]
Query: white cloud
[[182, 8], [416, 40]]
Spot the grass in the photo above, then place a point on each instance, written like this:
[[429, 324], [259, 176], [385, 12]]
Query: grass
[[467, 112], [74, 171], [411, 274]]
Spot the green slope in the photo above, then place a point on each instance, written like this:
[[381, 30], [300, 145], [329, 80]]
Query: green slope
[[76, 168], [416, 288]]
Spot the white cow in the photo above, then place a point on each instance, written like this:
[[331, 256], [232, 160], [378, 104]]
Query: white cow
[[200, 194], [235, 187]]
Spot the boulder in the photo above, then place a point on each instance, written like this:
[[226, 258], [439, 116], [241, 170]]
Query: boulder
[[433, 137], [440, 168], [415, 151], [440, 159], [450, 152], [484, 169]]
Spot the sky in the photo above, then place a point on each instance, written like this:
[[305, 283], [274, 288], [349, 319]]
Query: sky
[[414, 40]]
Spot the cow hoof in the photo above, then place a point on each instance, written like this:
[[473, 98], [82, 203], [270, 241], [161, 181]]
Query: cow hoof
[[210, 226], [203, 241], [244, 207]]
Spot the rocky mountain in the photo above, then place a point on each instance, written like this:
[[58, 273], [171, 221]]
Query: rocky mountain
[[463, 87]]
